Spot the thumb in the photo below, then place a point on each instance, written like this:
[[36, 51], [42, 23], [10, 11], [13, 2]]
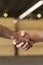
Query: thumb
[[22, 33], [14, 41]]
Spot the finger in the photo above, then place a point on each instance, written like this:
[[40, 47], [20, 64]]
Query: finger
[[14, 41], [19, 45], [26, 44], [22, 45], [28, 47]]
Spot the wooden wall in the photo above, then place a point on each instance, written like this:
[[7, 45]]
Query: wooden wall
[[32, 26], [6, 46]]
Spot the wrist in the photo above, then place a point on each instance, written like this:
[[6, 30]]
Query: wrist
[[12, 35], [34, 37], [37, 38]]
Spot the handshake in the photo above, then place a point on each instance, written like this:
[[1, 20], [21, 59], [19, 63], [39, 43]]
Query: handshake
[[26, 40], [21, 39]]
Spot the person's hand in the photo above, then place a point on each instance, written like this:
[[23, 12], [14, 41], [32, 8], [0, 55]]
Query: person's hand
[[23, 40]]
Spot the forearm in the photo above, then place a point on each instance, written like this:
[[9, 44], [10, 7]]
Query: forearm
[[38, 37], [6, 32]]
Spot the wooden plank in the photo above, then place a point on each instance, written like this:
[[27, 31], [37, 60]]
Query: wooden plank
[[37, 48], [6, 50], [6, 46], [32, 26], [8, 22]]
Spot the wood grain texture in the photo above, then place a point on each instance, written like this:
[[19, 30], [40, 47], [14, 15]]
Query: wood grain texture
[[32, 26], [6, 46]]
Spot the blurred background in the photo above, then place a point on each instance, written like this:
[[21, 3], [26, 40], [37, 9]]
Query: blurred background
[[9, 11]]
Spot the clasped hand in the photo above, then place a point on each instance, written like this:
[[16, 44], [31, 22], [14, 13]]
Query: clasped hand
[[23, 40]]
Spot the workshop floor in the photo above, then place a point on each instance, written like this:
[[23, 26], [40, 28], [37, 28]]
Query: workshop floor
[[23, 60]]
